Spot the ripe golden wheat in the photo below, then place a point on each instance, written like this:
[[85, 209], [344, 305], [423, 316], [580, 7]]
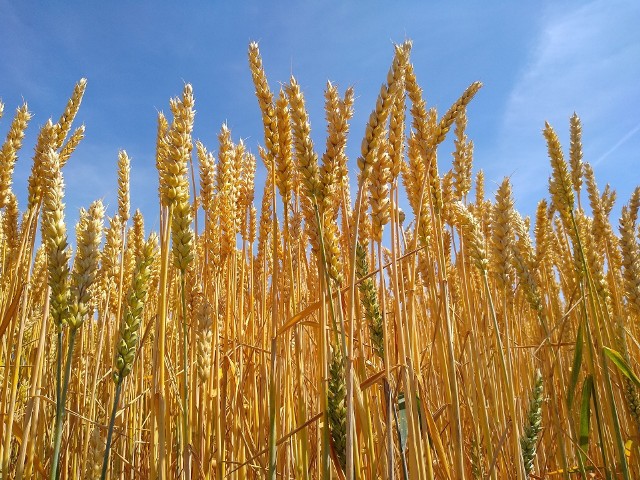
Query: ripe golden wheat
[[319, 334]]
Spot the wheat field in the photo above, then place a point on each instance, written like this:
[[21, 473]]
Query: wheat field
[[317, 332]]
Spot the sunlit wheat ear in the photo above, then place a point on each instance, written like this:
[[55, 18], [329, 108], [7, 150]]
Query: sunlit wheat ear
[[600, 219], [560, 184], [379, 184], [227, 187], [124, 172], [38, 177], [265, 101], [66, 119], [523, 261], [175, 150], [9, 151], [533, 426], [54, 236], [448, 197], [71, 144], [462, 157], [575, 152], [85, 265], [246, 193], [375, 128], [630, 258], [207, 172], [111, 252], [502, 238], [285, 166], [334, 172], [307, 159], [474, 240], [456, 109], [162, 152], [10, 231]]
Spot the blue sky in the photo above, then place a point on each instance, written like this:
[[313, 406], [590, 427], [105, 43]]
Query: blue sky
[[538, 61]]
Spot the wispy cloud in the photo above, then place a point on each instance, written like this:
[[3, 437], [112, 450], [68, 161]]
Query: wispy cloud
[[618, 144], [585, 60]]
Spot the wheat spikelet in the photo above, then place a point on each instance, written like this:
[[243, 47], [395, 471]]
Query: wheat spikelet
[[448, 197], [9, 151], [285, 171], [413, 175], [265, 100], [560, 185], [96, 451], [462, 157], [207, 171], [396, 134], [265, 220], [132, 318], [630, 258], [110, 257], [138, 233], [369, 300], [70, 146], [332, 250], [342, 172], [175, 155], [308, 170], [630, 390], [593, 256], [472, 236], [608, 199], [66, 119], [226, 184], [182, 234], [10, 227], [501, 239], [379, 194], [523, 260], [332, 172], [124, 171], [252, 224], [204, 318], [595, 201], [85, 266], [246, 188], [303, 145], [375, 126], [533, 427], [174, 184], [337, 411], [46, 140], [456, 109], [422, 124], [54, 236], [162, 150], [575, 152]]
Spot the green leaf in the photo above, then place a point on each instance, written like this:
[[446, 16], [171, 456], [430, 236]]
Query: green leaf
[[575, 368], [403, 429], [622, 365], [585, 416]]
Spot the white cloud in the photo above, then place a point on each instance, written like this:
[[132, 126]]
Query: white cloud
[[584, 60]]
